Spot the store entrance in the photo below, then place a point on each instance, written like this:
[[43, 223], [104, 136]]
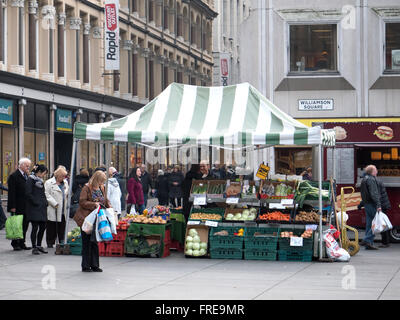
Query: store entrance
[[62, 149]]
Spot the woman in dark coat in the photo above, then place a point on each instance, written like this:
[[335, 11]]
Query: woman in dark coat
[[175, 181], [193, 173], [135, 191], [162, 188], [36, 207]]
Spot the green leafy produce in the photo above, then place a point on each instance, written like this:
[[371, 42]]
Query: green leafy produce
[[305, 189]]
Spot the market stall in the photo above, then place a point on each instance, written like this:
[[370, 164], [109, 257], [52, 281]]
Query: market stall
[[232, 117]]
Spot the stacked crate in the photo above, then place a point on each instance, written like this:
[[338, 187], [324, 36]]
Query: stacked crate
[[261, 243], [288, 252], [226, 247]]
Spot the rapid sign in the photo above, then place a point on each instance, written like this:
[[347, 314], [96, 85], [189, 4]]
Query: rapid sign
[[111, 35]]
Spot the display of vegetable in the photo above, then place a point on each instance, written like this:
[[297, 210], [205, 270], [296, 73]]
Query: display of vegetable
[[274, 216], [305, 189], [205, 216], [308, 217], [217, 188], [306, 234], [245, 215], [200, 188], [233, 190], [144, 219], [142, 247], [194, 246], [74, 234]]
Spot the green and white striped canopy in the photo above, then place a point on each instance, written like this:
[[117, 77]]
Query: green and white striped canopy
[[229, 116]]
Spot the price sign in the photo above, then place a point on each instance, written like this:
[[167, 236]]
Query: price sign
[[287, 202], [276, 206], [262, 171], [312, 227], [200, 201], [211, 223], [296, 241], [232, 200], [193, 222]]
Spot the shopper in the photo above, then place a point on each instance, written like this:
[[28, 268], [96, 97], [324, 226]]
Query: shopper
[[36, 207], [56, 190], [385, 203], [372, 203], [135, 191], [80, 180], [122, 185], [205, 170], [307, 174], [162, 188], [147, 183], [92, 195], [3, 217], [114, 194], [16, 198], [218, 171], [175, 181], [193, 174]]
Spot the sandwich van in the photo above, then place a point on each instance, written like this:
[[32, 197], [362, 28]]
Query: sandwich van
[[359, 144]]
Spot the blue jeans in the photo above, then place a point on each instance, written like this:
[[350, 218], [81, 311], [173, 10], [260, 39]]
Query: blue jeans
[[370, 211]]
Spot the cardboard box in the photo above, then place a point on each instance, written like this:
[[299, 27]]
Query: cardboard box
[[203, 232]]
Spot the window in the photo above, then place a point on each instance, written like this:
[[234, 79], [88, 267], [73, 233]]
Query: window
[[313, 48], [392, 45]]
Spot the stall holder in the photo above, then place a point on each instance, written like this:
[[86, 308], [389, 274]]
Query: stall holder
[[232, 117]]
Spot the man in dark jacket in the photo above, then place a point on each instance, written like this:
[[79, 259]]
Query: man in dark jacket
[[193, 174], [162, 188], [372, 203], [147, 183], [16, 198]]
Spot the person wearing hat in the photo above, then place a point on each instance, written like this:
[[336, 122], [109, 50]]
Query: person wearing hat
[[162, 188]]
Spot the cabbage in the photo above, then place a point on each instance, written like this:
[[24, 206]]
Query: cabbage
[[203, 245], [238, 216], [189, 252], [246, 212], [196, 239], [203, 252], [189, 239], [253, 211], [192, 232], [189, 245], [229, 216], [196, 246], [196, 253]]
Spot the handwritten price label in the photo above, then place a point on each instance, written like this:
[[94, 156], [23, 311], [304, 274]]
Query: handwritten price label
[[193, 222], [200, 201], [211, 223], [232, 200], [296, 241]]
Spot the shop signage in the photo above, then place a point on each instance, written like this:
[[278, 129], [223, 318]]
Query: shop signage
[[316, 105], [353, 132], [221, 71], [262, 171], [111, 35], [64, 120], [6, 111]]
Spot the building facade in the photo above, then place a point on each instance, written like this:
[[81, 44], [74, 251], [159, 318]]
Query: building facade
[[323, 60], [52, 72]]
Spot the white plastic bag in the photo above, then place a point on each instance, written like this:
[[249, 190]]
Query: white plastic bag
[[339, 217], [333, 249], [88, 223], [380, 223]]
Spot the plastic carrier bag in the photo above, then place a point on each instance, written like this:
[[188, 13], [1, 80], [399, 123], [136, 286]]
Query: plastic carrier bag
[[89, 221], [333, 249], [381, 223], [14, 229]]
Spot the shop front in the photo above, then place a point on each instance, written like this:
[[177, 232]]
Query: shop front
[[63, 137]]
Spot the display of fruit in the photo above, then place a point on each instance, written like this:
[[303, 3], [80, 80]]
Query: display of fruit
[[308, 217], [194, 246], [205, 216], [274, 216], [245, 215], [153, 220]]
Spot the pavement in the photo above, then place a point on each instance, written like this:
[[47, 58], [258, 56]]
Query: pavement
[[370, 275]]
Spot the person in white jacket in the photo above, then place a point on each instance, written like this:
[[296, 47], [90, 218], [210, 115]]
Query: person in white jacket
[[56, 190], [114, 194]]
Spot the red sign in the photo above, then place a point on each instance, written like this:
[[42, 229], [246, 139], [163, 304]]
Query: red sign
[[383, 132], [111, 16], [224, 67]]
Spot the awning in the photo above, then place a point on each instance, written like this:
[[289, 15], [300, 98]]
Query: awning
[[229, 116]]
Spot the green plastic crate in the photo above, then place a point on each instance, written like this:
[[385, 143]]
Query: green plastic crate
[[75, 248], [270, 242], [303, 256], [226, 253], [230, 241], [284, 243], [257, 254]]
